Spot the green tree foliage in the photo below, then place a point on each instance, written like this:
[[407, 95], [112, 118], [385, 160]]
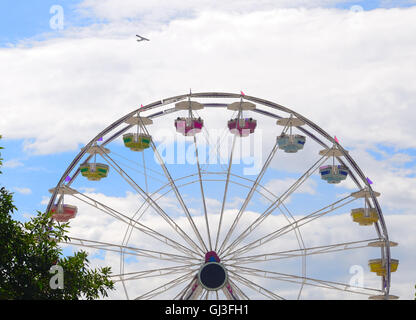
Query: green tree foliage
[[29, 250]]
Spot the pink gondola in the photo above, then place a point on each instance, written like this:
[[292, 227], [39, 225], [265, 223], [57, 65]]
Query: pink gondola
[[242, 127], [63, 213], [189, 126]]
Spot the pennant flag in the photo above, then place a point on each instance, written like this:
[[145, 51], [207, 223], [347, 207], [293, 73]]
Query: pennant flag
[[242, 93], [369, 181], [336, 139], [141, 106], [68, 178], [100, 139]]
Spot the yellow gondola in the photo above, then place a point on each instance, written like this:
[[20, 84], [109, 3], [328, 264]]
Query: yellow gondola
[[364, 216], [379, 266]]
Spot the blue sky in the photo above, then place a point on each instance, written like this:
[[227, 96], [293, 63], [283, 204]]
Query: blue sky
[[67, 85], [24, 19]]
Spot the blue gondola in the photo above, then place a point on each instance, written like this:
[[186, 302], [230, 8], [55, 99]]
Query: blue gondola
[[333, 173], [291, 143]]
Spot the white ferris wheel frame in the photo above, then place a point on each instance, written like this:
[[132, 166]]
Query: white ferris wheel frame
[[235, 259]]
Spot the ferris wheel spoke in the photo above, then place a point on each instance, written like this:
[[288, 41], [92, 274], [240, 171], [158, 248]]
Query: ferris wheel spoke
[[250, 284], [130, 229], [145, 169], [147, 192], [156, 199], [288, 254], [154, 205], [145, 174], [153, 273], [225, 193], [287, 228], [134, 224], [269, 197], [307, 281], [128, 250], [249, 196], [275, 204], [202, 194], [301, 244], [165, 287], [166, 192], [177, 193]]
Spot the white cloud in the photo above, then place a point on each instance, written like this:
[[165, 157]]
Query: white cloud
[[278, 186], [13, 163], [333, 73], [392, 177], [24, 191], [164, 11], [45, 200], [396, 3]]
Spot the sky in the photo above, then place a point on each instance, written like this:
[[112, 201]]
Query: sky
[[71, 68]]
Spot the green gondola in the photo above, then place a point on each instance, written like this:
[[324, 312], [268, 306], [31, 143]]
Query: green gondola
[[94, 171], [137, 142]]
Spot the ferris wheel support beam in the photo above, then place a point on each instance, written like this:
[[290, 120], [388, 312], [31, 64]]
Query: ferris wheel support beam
[[182, 292], [237, 289]]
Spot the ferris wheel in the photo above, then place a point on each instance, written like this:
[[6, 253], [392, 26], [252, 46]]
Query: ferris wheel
[[201, 227]]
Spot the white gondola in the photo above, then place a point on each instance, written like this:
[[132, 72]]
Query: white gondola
[[289, 142]]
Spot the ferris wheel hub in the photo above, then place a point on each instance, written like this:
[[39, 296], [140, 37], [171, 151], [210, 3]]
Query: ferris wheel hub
[[212, 276]]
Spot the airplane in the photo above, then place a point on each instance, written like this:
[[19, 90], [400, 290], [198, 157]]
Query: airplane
[[141, 38]]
